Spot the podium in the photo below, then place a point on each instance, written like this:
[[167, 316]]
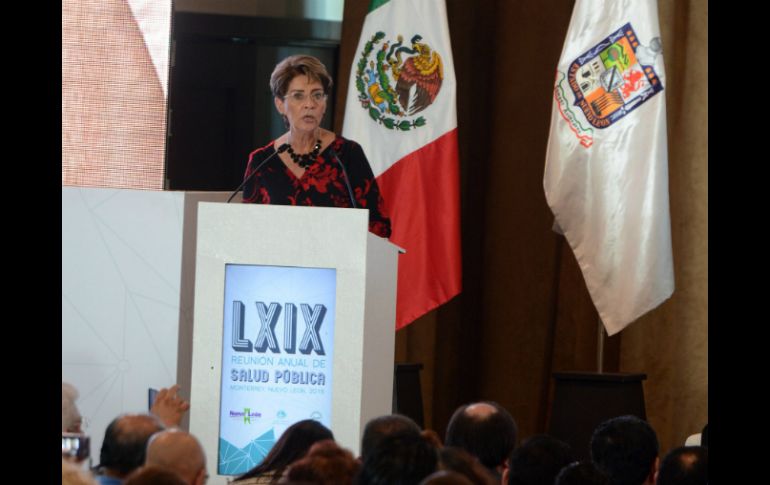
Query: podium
[[293, 305]]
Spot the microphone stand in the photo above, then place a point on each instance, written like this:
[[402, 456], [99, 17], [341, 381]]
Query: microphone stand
[[345, 173]]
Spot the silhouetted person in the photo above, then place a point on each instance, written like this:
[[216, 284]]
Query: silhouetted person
[[626, 449], [686, 465], [71, 420], [485, 430], [446, 477], [154, 475], [73, 474], [326, 463], [383, 426], [290, 447], [583, 473], [460, 461], [400, 459], [124, 445], [179, 452], [537, 461]]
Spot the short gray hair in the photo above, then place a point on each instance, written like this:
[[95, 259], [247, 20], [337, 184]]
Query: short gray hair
[[299, 65], [69, 412]]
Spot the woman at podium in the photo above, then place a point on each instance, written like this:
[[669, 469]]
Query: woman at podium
[[309, 165]]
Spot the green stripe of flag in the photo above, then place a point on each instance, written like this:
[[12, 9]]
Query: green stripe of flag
[[374, 4]]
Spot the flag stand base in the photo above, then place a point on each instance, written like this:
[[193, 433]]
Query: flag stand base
[[582, 400], [407, 392]]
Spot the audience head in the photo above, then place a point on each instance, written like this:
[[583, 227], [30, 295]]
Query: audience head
[[325, 464], [71, 420], [583, 473], [485, 430], [626, 449], [704, 436], [446, 477], [432, 437], [686, 465], [72, 474], [180, 452], [154, 475], [125, 442], [399, 459], [537, 461], [460, 461], [291, 446], [379, 428]]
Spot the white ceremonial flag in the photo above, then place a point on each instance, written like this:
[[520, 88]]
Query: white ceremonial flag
[[606, 172]]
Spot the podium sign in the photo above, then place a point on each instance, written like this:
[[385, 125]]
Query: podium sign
[[277, 355]]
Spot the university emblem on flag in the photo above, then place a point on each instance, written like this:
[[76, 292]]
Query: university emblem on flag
[[610, 80], [399, 81]]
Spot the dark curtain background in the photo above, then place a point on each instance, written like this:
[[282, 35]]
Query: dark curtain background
[[524, 311]]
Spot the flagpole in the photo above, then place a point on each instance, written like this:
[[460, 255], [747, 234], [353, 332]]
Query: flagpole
[[551, 332], [600, 346]]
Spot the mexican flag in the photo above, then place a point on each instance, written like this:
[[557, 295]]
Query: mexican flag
[[401, 109]]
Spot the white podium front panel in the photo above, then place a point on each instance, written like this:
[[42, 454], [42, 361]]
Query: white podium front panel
[[328, 250]]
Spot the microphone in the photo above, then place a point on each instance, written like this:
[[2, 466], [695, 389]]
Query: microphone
[[345, 173], [281, 149]]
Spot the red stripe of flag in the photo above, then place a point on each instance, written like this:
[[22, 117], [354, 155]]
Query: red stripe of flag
[[421, 195]]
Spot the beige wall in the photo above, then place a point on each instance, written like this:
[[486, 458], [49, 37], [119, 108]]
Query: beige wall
[[670, 344]]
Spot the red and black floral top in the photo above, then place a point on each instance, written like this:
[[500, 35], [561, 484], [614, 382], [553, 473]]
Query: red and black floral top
[[322, 184]]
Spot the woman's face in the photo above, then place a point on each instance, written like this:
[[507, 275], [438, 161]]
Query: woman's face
[[304, 104]]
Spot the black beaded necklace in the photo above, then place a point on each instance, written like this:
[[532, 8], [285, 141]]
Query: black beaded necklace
[[306, 159]]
